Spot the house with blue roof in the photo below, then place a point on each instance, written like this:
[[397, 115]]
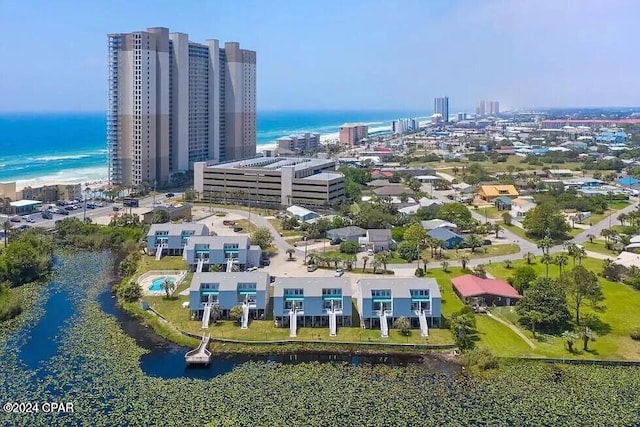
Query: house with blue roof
[[628, 181], [451, 240]]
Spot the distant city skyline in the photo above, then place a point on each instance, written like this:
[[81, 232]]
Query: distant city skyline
[[526, 54]]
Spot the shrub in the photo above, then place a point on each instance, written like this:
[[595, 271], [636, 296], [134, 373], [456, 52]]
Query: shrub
[[130, 291], [419, 272], [635, 335], [348, 247], [482, 358]]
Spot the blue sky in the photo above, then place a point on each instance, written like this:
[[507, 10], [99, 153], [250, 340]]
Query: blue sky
[[348, 54]]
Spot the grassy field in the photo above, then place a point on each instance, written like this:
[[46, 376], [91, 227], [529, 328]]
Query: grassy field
[[598, 246], [277, 224], [165, 263], [515, 161], [618, 319]]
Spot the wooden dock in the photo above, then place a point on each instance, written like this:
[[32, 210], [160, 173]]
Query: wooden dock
[[200, 355]]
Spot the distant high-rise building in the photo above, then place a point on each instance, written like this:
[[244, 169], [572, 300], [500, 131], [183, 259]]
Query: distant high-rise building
[[353, 133], [173, 102], [441, 106], [488, 108]]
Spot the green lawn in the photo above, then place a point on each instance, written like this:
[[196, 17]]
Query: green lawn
[[277, 224], [148, 263], [483, 252], [518, 232], [621, 315], [489, 213], [264, 330], [598, 246]]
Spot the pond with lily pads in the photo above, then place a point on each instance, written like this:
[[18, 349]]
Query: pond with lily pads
[[77, 346]]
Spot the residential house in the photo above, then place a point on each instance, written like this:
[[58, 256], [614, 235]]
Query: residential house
[[392, 190], [438, 223], [230, 253], [627, 259], [380, 183], [502, 203], [490, 192], [450, 239], [228, 290], [521, 205], [379, 174], [171, 239], [350, 233], [311, 300], [422, 203], [481, 292], [377, 240], [384, 299], [302, 214]]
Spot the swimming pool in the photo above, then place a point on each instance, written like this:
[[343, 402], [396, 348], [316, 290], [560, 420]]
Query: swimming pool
[[156, 284]]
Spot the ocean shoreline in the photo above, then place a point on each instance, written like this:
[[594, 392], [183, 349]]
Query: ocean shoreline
[[70, 148]]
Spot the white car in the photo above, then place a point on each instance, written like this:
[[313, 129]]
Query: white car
[[29, 219], [254, 268], [339, 272]]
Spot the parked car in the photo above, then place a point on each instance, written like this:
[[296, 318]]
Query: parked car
[[69, 207], [170, 195], [266, 262], [15, 218], [370, 252], [335, 242], [61, 203], [237, 229], [312, 268], [63, 212], [90, 205], [228, 222], [23, 227], [486, 242], [254, 268], [339, 272], [116, 208], [29, 219], [47, 215]]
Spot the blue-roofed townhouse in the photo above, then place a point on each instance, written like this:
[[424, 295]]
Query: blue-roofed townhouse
[[172, 238], [311, 301], [382, 300], [228, 290], [231, 253]]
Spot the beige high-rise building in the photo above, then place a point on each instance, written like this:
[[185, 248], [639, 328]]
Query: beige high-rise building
[[173, 102], [353, 133]]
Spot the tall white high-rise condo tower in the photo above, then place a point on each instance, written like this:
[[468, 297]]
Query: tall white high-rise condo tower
[[173, 102], [441, 106]]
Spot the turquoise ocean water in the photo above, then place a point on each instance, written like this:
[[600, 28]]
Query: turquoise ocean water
[[71, 147]]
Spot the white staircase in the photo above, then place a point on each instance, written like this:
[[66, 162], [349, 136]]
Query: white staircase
[[384, 327], [424, 328], [159, 252], [232, 265], [184, 253], [200, 264], [206, 317], [332, 323], [293, 324], [245, 316]]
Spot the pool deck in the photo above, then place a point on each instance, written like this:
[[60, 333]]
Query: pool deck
[[146, 280]]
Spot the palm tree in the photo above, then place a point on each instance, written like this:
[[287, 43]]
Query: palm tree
[[464, 260], [545, 244], [587, 335], [529, 257], [168, 286], [580, 254], [375, 264], [365, 259], [571, 249], [508, 263], [290, 252], [473, 241], [546, 260], [350, 261], [384, 258], [570, 337], [425, 260], [561, 260], [497, 229], [6, 226], [606, 233], [445, 266], [622, 218]]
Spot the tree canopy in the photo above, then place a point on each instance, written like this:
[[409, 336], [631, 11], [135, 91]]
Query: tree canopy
[[544, 306], [262, 237], [546, 219], [456, 213]]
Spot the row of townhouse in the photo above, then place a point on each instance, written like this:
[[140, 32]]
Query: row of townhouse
[[200, 250], [318, 301]]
